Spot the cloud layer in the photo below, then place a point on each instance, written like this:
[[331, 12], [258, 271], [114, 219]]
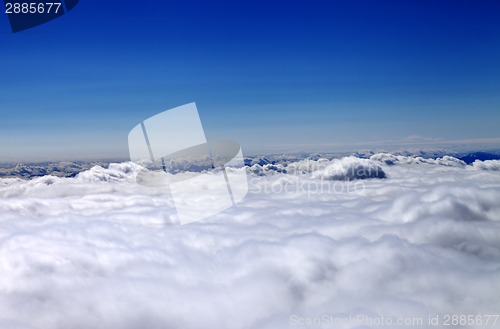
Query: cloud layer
[[100, 251]]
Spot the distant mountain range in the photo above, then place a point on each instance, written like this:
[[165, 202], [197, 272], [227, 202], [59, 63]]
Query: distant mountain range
[[70, 169], [471, 157]]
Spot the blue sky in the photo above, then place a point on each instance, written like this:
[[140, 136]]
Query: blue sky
[[273, 76]]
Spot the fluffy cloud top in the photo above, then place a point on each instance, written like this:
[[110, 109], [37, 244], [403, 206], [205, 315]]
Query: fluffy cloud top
[[100, 251], [487, 165], [350, 168]]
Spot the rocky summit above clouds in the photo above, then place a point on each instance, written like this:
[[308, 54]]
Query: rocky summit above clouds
[[38, 169], [280, 163]]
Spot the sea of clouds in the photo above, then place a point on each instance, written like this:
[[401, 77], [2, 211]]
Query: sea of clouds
[[393, 236]]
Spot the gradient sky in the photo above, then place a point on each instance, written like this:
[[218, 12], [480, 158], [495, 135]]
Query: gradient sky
[[269, 75]]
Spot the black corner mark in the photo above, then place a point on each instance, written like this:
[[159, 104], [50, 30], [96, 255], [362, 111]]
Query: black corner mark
[[70, 4], [25, 14]]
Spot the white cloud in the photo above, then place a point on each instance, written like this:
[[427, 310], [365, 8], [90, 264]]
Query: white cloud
[[391, 159], [487, 165], [100, 251], [350, 168]]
